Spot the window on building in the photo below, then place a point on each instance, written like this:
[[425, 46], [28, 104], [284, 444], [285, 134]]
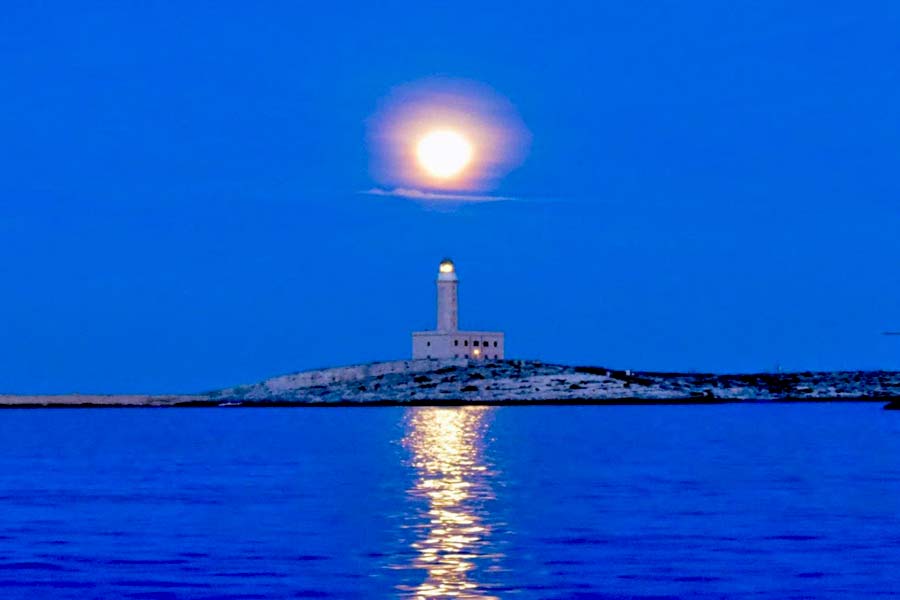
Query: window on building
[[475, 343], [427, 343], [466, 343], [495, 344], [456, 342]]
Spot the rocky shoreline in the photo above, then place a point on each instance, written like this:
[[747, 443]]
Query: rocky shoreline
[[457, 382]]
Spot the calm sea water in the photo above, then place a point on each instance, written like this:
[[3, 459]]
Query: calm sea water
[[747, 501]]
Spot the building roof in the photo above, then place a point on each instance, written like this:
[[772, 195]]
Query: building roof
[[458, 332]]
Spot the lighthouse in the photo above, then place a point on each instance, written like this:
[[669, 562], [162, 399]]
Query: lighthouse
[[447, 302], [447, 340]]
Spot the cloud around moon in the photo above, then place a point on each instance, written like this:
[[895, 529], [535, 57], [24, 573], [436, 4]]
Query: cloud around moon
[[489, 122]]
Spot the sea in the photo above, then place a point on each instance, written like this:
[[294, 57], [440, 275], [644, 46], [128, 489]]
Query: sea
[[772, 501]]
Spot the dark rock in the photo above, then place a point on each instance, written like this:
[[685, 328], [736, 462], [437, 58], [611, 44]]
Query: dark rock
[[591, 370]]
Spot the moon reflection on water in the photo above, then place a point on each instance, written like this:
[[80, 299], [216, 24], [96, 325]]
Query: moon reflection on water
[[453, 542]]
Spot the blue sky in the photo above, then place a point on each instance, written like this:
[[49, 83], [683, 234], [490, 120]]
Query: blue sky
[[711, 186]]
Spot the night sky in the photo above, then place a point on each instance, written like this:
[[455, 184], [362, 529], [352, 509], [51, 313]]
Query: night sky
[[710, 186]]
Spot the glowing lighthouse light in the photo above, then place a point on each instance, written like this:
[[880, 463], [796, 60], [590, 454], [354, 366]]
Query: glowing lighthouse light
[[444, 153]]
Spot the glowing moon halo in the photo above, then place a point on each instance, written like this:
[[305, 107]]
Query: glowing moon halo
[[444, 153], [482, 138]]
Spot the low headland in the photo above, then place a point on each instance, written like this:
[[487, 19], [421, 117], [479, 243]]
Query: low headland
[[454, 382]]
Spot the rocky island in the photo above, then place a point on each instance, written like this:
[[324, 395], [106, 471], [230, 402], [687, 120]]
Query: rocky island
[[436, 382]]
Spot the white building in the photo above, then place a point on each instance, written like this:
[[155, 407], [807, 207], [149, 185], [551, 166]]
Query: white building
[[447, 341]]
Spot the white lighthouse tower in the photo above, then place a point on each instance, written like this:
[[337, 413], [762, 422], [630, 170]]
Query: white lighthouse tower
[[447, 302], [447, 341]]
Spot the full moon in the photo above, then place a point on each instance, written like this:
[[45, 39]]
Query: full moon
[[444, 153]]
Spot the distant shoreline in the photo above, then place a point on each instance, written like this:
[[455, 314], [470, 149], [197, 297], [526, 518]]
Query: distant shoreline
[[444, 403], [463, 382]]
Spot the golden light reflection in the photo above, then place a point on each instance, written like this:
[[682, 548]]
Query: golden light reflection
[[446, 451]]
